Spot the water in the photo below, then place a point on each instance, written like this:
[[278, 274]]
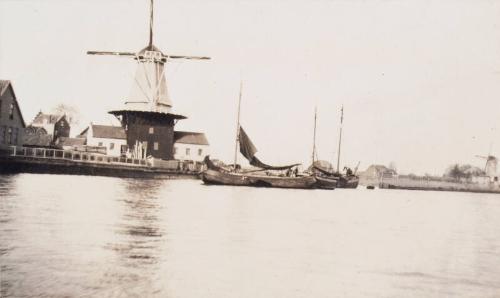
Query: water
[[71, 236]]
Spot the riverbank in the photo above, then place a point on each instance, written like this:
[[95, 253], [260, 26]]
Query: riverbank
[[421, 183], [53, 161]]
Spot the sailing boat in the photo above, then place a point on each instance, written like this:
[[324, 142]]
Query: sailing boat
[[323, 181], [327, 178], [222, 176]]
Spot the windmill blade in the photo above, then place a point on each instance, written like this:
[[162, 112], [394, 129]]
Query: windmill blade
[[110, 53], [185, 57]]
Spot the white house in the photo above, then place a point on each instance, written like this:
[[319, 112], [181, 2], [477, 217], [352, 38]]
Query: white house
[[192, 146], [111, 137]]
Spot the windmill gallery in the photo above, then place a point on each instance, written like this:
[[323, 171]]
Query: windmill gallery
[[147, 144]]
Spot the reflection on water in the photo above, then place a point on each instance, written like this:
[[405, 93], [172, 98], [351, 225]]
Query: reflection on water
[[66, 236]]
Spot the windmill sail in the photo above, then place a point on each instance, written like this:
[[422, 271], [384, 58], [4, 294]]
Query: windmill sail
[[149, 91], [248, 150]]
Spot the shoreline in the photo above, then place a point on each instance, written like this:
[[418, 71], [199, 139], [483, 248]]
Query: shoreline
[[17, 164], [449, 189]]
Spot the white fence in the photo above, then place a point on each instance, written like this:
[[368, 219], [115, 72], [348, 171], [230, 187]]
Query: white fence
[[70, 155], [96, 158]]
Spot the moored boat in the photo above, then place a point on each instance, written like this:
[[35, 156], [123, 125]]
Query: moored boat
[[211, 176], [349, 179], [272, 177], [322, 181]]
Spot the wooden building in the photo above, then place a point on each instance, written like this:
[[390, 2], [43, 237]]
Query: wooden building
[[149, 133], [12, 124]]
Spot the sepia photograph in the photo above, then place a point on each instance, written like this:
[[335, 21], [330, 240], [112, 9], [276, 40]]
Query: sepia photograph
[[250, 148]]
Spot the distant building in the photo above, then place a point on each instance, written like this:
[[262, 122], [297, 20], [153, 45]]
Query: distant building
[[190, 146], [483, 179], [12, 124], [55, 125], [379, 171], [113, 138]]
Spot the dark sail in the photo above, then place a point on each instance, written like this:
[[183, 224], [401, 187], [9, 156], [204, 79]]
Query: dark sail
[[247, 149]]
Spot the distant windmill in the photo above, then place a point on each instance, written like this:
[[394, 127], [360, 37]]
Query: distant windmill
[[490, 167], [146, 117]]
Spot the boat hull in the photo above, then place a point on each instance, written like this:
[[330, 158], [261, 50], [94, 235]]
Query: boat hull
[[239, 179], [326, 182], [221, 178], [348, 182]]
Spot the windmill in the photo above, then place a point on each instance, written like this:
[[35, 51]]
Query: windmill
[[490, 167], [146, 115]]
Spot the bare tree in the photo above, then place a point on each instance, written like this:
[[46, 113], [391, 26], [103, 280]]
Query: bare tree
[[72, 113]]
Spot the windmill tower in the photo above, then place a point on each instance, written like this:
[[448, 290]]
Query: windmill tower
[[490, 167], [146, 114]]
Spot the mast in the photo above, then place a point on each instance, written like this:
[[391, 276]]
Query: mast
[[314, 136], [340, 138], [237, 128], [151, 26]]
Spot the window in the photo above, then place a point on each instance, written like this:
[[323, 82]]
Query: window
[[111, 146], [2, 134], [0, 108], [9, 135], [11, 111], [151, 131], [99, 144], [188, 151], [156, 145], [15, 139], [175, 150], [123, 149], [200, 151]]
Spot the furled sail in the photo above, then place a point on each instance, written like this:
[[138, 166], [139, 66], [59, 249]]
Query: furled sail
[[324, 167], [248, 149]]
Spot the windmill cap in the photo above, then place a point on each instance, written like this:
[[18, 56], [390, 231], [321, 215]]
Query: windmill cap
[[149, 48]]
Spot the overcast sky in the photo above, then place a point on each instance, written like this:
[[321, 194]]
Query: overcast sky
[[420, 80]]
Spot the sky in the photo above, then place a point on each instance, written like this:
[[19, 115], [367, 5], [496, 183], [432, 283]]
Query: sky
[[419, 79]]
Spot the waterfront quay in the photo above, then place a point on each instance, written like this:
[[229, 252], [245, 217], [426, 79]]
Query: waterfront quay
[[54, 161]]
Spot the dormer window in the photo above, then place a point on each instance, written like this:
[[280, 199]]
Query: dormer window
[[151, 130]]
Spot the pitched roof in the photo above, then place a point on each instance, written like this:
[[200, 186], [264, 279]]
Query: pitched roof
[[4, 84], [188, 137], [42, 118], [382, 169], [108, 132]]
